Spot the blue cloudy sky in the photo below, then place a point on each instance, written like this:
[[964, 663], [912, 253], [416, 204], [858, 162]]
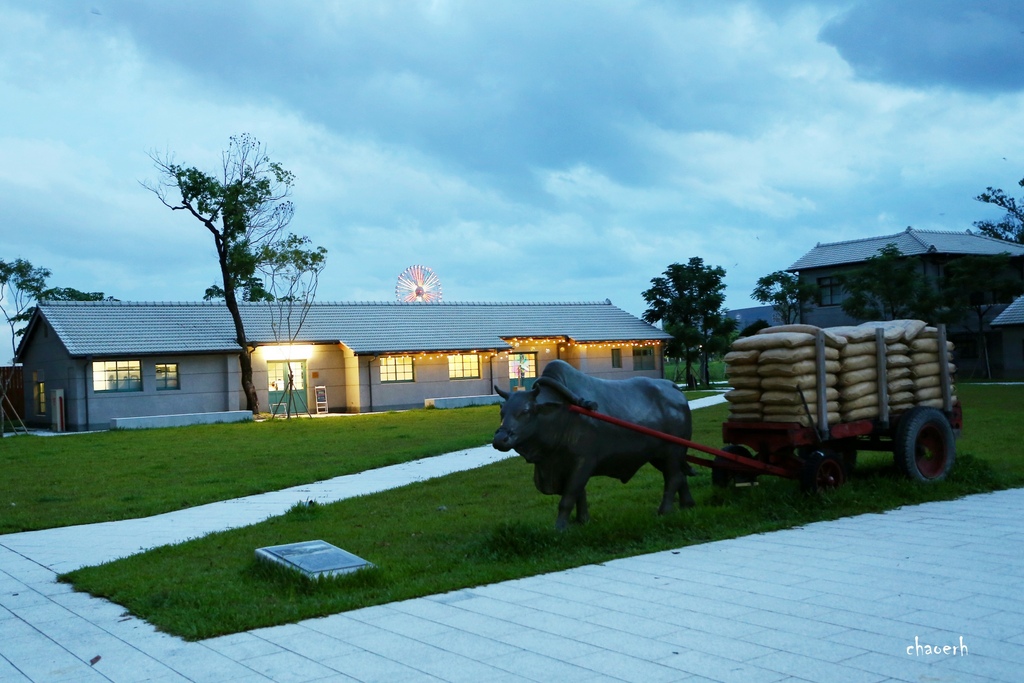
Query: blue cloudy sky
[[526, 151]]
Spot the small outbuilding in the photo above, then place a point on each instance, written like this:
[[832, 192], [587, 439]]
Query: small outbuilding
[[87, 363]]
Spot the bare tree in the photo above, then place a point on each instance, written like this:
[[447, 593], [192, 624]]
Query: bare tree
[[291, 275], [244, 208]]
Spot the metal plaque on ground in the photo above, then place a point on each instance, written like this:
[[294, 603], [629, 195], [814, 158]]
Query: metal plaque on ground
[[313, 558]]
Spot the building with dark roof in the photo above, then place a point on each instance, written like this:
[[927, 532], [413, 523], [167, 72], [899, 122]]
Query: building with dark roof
[[111, 359], [933, 249], [1010, 324]]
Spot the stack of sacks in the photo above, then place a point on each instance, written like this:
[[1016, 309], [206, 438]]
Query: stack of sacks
[[925, 368], [858, 380], [741, 375], [784, 363]]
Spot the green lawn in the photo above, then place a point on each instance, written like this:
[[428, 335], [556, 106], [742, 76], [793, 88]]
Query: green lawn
[[84, 478], [490, 524]]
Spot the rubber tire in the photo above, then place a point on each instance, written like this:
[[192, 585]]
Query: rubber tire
[[822, 471], [924, 447], [721, 477]]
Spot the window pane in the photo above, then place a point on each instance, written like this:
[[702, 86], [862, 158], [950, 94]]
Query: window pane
[[117, 375], [166, 376], [643, 359], [396, 369], [464, 366]]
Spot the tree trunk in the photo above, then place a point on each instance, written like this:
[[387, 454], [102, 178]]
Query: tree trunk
[[252, 402]]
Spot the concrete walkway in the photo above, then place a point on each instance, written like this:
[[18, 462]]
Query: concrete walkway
[[858, 599]]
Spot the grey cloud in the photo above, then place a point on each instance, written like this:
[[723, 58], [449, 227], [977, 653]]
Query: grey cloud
[[974, 46]]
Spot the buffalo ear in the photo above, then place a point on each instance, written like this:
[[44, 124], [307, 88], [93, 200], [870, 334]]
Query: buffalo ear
[[546, 396]]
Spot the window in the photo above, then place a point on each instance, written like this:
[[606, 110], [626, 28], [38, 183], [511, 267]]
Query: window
[[167, 376], [39, 395], [643, 359], [616, 358], [396, 369], [830, 291], [117, 375], [464, 366]]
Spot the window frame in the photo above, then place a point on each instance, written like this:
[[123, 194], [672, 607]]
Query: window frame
[[460, 364], [640, 354], [39, 397], [617, 358], [830, 291], [392, 370], [163, 383], [133, 384]]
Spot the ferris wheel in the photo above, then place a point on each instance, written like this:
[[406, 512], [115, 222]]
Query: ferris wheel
[[418, 284]]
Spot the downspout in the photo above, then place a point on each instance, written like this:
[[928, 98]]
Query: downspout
[[85, 378], [369, 380], [490, 365]]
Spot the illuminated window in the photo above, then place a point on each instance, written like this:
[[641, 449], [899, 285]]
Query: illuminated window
[[117, 375], [643, 359], [39, 395], [396, 369], [464, 366], [167, 376], [616, 358]]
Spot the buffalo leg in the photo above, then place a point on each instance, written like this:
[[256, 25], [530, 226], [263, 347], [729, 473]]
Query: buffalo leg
[[582, 509], [674, 470]]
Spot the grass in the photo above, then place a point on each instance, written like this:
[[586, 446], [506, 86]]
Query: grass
[[490, 524], [84, 478]]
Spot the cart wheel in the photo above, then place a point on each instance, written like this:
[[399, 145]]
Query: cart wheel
[[723, 476], [924, 447], [822, 471]]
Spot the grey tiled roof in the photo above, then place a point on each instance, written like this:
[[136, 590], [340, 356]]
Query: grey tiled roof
[[110, 328], [1012, 314], [911, 242]]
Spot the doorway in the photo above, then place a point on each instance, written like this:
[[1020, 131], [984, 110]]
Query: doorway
[[522, 370], [283, 401]]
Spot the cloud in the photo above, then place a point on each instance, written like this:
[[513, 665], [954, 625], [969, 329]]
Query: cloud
[[976, 46]]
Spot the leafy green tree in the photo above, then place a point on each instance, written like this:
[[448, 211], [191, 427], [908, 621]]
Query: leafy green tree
[[244, 207], [22, 286], [889, 286], [1011, 226], [687, 300], [977, 284], [786, 293]]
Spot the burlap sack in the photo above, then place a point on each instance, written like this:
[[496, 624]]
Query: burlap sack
[[860, 414], [775, 340], [929, 345], [864, 401], [925, 369], [928, 382], [853, 334], [898, 385], [857, 376], [793, 398], [901, 397], [743, 395], [935, 402], [929, 333], [925, 357], [855, 391], [897, 348], [927, 393], [744, 382], [897, 408], [833, 407], [795, 355], [741, 357], [893, 374], [831, 340], [897, 360], [736, 370], [803, 367], [868, 348], [858, 363]]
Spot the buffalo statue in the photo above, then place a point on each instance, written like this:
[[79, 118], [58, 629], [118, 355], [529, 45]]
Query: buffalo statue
[[567, 448]]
